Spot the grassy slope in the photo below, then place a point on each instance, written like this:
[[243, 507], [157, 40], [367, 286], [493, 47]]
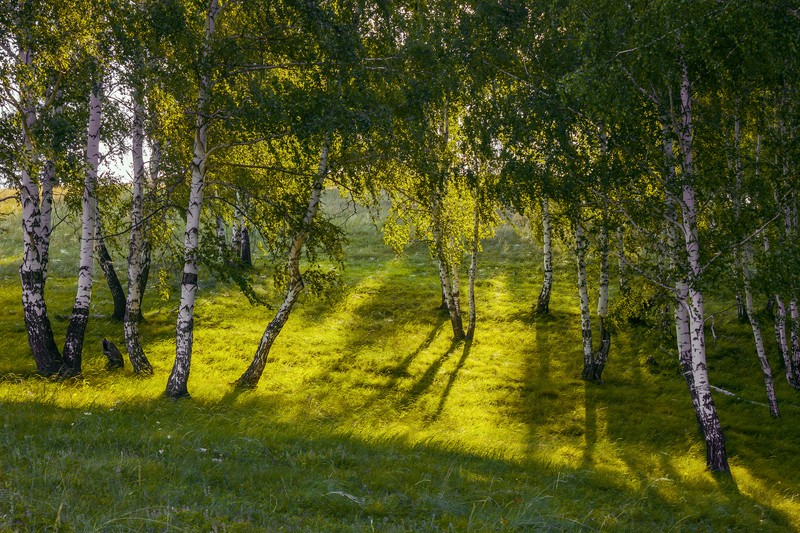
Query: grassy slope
[[369, 418]]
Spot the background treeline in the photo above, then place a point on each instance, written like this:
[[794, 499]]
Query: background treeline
[[659, 138]]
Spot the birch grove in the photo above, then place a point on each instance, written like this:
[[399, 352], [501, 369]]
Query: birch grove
[[652, 151]]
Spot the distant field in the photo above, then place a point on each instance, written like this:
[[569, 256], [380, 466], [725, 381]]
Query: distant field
[[369, 418]]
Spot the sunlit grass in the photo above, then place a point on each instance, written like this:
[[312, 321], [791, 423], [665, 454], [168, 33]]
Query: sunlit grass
[[369, 417]]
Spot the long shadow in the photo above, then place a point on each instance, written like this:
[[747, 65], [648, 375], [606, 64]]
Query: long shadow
[[452, 379], [425, 382], [400, 370]]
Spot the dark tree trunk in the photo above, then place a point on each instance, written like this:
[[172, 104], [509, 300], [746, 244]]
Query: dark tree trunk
[[114, 285], [40, 332], [245, 256], [113, 355]]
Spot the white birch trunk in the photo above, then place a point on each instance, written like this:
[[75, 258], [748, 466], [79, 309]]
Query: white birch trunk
[[795, 339], [448, 274], [583, 293], [473, 271], [48, 183], [32, 271], [760, 352], [73, 345], [136, 248], [184, 330], [543, 303], [601, 357], [716, 455], [680, 305], [252, 375], [782, 343], [222, 238]]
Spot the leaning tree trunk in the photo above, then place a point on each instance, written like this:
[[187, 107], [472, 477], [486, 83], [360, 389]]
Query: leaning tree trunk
[[35, 241], [107, 265], [136, 249], [760, 352], [73, 345], [252, 375], [583, 293], [783, 345], [716, 455], [184, 330], [683, 334], [473, 270], [601, 357], [794, 351], [543, 303]]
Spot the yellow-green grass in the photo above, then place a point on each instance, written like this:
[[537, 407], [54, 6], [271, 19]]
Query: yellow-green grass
[[368, 417]]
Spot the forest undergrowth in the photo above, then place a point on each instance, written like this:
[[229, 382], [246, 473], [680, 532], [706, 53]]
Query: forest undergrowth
[[369, 418]]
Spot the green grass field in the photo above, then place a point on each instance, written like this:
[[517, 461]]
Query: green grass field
[[368, 418]]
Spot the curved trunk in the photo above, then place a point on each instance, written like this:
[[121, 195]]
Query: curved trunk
[[543, 303], [252, 375], [716, 455], [177, 384], [35, 239], [760, 352], [136, 250], [107, 265], [73, 345]]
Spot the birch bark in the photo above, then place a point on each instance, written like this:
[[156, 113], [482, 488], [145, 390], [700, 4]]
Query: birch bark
[[177, 384], [583, 293], [760, 352], [716, 455], [73, 345], [252, 375], [448, 274], [136, 248], [35, 238], [783, 345], [601, 357], [543, 303], [473, 270]]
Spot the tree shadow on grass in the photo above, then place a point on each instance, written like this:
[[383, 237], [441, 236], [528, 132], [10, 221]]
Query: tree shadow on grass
[[452, 379], [422, 385]]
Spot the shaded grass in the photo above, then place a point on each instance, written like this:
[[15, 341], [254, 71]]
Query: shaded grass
[[369, 417]]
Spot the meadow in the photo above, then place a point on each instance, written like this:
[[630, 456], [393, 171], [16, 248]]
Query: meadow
[[368, 417]]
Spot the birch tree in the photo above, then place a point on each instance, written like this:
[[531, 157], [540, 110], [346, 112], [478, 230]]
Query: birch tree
[[73, 345], [179, 377]]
